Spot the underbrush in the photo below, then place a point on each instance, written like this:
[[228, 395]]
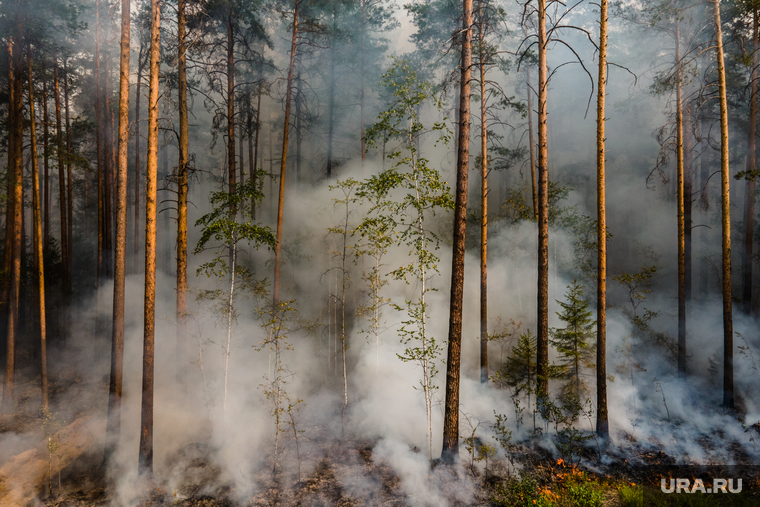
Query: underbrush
[[571, 488]]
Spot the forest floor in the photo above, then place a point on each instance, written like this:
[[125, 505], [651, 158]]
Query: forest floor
[[65, 469]]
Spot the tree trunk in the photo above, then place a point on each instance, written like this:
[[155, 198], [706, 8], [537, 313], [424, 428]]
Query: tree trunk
[[331, 111], [182, 192], [602, 422], [231, 168], [450, 450], [284, 158], [299, 136], [728, 323], [61, 181], [542, 313], [138, 95], [687, 197], [99, 151], [38, 247], [117, 333], [145, 462], [253, 163], [46, 163], [532, 144], [15, 158], [483, 207], [362, 80], [680, 211], [749, 205], [69, 182], [108, 177]]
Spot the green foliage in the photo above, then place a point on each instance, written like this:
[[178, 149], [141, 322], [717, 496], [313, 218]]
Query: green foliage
[[574, 342], [631, 496], [584, 494], [223, 226], [519, 370], [522, 492]]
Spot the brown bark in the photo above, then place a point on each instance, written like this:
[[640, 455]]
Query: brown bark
[[483, 206], [687, 194], [16, 182], [145, 461], [728, 323], [680, 211], [138, 95], [117, 332], [182, 191], [69, 182], [602, 422], [450, 449], [45, 162], [61, 181], [542, 300], [38, 247], [284, 158], [749, 205]]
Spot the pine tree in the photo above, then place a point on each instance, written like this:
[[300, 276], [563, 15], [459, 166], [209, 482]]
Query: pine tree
[[574, 343]]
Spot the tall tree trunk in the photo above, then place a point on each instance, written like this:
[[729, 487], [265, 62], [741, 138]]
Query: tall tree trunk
[[542, 313], [728, 322], [15, 158], [253, 163], [241, 134], [531, 142], [749, 205], [38, 248], [69, 182], [687, 195], [231, 174], [483, 205], [145, 462], [284, 158], [46, 163], [99, 152], [450, 449], [602, 422], [61, 181], [138, 95], [117, 332], [109, 166], [680, 211], [182, 192], [331, 111]]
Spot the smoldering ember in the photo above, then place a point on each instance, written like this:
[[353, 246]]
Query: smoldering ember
[[374, 252]]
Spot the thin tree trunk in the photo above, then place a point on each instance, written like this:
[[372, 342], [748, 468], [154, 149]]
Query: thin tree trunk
[[182, 193], [145, 462], [728, 323], [331, 112], [117, 333], [602, 422], [299, 136], [138, 95], [69, 182], [284, 158], [483, 207], [46, 162], [231, 168], [450, 449], [255, 160], [99, 153], [362, 82], [680, 211], [38, 247], [542, 314], [687, 194], [531, 142], [15, 158], [749, 205], [108, 166], [61, 181]]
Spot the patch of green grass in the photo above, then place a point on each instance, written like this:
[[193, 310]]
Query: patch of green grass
[[522, 492], [631, 496]]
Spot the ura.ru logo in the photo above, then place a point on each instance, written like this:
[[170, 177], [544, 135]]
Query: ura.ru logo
[[698, 486]]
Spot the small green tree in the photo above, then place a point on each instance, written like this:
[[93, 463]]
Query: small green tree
[[405, 195], [222, 227], [574, 344]]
